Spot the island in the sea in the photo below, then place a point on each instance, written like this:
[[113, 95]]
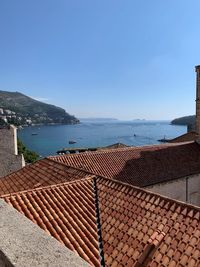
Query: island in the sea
[[19, 109], [100, 120]]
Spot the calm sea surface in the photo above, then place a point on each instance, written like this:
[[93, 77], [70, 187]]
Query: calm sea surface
[[51, 138]]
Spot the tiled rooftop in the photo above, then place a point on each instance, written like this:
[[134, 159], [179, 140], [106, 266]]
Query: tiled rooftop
[[113, 146], [138, 228], [139, 166], [102, 219], [135, 221], [65, 211], [190, 136], [42, 173]]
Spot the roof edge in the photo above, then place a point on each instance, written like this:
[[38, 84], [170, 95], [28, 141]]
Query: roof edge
[[122, 149], [139, 189], [47, 186]]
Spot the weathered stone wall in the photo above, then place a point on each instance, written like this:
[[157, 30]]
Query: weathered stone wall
[[23, 244], [8, 140], [10, 161], [186, 189]]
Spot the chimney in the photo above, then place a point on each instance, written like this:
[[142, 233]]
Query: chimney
[[8, 140], [197, 68]]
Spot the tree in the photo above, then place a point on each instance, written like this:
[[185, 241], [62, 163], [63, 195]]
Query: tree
[[29, 156]]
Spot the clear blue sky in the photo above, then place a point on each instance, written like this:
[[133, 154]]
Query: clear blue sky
[[122, 58]]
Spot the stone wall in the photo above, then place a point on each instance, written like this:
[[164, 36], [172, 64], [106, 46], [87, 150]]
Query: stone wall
[[8, 140], [10, 161], [23, 244], [185, 189]]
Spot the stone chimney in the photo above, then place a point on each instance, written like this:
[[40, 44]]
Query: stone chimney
[[8, 140], [197, 68], [10, 161]]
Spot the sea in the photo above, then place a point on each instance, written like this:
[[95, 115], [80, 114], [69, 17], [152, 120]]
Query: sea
[[47, 140]]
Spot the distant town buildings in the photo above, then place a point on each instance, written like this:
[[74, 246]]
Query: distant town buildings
[[9, 116]]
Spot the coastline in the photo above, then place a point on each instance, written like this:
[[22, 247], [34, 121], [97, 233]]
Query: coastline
[[46, 124], [51, 138]]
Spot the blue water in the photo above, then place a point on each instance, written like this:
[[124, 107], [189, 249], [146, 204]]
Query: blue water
[[51, 138]]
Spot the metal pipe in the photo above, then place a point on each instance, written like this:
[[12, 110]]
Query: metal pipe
[[186, 190]]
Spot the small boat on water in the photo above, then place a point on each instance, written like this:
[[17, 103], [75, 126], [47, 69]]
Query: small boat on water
[[34, 134], [72, 142], [164, 140]]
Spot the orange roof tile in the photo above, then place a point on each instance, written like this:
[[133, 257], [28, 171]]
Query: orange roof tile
[[190, 136], [140, 166], [43, 172], [138, 228], [113, 146], [134, 221], [67, 212]]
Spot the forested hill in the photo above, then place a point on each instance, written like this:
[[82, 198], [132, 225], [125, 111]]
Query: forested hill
[[18, 108], [187, 120]]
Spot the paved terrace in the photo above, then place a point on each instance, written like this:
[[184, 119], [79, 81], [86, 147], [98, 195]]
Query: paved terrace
[[22, 244]]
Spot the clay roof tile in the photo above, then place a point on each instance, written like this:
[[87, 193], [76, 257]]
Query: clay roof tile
[[139, 166], [129, 217]]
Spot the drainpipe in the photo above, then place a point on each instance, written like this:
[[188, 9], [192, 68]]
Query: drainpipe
[[100, 240], [186, 190], [197, 68]]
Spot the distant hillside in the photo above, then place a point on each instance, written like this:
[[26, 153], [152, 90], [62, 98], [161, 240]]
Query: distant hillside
[[19, 108], [187, 120]]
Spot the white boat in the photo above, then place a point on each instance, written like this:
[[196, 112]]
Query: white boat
[[72, 142]]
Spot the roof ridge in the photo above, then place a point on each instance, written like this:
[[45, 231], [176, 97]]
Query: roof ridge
[[23, 168], [71, 167], [40, 161], [27, 167], [78, 169], [98, 223], [182, 203], [136, 187], [47, 186], [122, 149]]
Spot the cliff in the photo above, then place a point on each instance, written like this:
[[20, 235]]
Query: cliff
[[187, 120]]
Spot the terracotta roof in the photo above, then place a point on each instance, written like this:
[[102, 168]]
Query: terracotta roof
[[43, 172], [67, 212], [135, 222], [191, 136], [139, 166], [138, 228], [113, 146]]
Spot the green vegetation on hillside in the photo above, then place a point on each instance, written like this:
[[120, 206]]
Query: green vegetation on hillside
[[187, 120], [20, 109], [29, 156]]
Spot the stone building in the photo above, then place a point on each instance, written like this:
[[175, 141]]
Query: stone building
[[10, 161]]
